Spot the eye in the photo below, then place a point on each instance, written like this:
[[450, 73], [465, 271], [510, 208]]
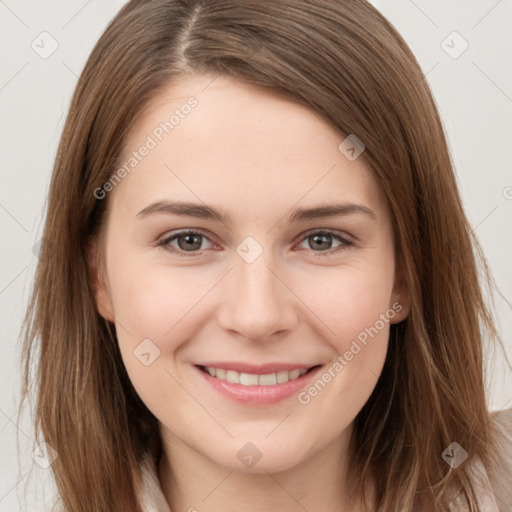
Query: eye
[[323, 240], [190, 242]]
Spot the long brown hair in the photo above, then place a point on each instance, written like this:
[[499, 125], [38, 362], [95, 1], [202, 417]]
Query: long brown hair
[[345, 61]]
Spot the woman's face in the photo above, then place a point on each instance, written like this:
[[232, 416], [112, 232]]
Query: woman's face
[[264, 288]]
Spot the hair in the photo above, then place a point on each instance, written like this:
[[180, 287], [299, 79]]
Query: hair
[[346, 62]]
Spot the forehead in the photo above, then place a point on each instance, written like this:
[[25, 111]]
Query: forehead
[[219, 139]]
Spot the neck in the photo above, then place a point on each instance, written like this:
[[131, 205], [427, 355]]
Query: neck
[[321, 482]]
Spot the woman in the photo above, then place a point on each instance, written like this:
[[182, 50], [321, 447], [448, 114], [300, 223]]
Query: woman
[[265, 293]]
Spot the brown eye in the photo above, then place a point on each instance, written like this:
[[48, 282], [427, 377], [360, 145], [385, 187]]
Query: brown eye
[[320, 242], [184, 242], [189, 242]]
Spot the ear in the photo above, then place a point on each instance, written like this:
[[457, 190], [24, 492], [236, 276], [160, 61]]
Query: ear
[[97, 278], [400, 297]]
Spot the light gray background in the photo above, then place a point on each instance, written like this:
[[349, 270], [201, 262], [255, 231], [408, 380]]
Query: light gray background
[[473, 92]]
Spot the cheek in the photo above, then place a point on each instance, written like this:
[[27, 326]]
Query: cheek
[[355, 306], [165, 305], [360, 313], [152, 307], [349, 300], [149, 302], [150, 298]]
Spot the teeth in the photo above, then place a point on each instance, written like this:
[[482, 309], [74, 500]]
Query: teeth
[[233, 377], [267, 380], [251, 379], [248, 379], [282, 377], [294, 374]]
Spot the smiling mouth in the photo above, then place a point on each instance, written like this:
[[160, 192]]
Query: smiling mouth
[[252, 379]]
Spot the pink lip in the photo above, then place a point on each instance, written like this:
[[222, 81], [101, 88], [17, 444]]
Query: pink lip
[[258, 395]]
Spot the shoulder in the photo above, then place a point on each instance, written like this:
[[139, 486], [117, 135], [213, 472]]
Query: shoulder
[[151, 496], [492, 483], [500, 474]]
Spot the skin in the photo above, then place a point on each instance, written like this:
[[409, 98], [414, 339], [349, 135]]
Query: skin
[[257, 155]]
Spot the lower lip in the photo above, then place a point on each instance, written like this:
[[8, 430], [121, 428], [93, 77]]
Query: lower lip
[[258, 395]]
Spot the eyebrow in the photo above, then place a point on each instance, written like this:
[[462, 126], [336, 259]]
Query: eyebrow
[[203, 211]]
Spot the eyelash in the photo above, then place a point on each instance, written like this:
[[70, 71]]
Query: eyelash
[[345, 243]]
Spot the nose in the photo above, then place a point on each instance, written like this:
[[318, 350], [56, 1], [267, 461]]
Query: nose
[[257, 305]]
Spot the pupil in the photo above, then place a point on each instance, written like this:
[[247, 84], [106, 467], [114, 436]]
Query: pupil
[[326, 239], [189, 244]]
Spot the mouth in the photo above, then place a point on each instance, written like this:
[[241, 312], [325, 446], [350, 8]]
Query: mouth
[[256, 385], [256, 379]]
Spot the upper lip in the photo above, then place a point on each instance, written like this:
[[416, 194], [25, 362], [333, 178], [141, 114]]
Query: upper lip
[[261, 369]]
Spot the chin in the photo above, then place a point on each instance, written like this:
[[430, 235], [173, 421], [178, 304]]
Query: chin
[[261, 455]]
